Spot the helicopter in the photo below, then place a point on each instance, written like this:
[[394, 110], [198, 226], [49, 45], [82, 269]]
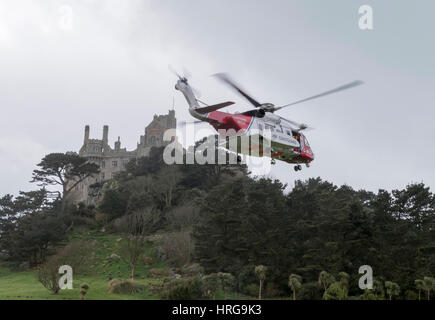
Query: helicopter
[[286, 140]]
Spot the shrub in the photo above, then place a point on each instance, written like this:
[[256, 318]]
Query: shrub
[[411, 295], [158, 272], [83, 291], [183, 217], [252, 289], [147, 260], [192, 269], [48, 274], [178, 248], [78, 220], [77, 255], [368, 295], [272, 290], [245, 277], [183, 289], [310, 291], [210, 285], [128, 286]]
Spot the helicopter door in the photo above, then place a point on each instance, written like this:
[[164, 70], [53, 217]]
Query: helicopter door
[[299, 139]]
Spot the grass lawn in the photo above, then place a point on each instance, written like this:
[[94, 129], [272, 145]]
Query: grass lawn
[[24, 285]]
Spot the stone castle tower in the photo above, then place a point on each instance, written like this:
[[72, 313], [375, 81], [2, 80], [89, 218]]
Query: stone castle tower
[[114, 160]]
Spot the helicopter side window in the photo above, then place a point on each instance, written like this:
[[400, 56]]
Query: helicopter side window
[[271, 128], [288, 132]]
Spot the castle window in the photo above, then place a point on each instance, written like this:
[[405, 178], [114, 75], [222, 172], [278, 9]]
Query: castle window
[[114, 164], [102, 175], [103, 164]]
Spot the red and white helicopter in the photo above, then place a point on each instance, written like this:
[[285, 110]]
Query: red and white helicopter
[[287, 142]]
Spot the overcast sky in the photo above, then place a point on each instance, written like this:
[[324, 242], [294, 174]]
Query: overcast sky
[[108, 64]]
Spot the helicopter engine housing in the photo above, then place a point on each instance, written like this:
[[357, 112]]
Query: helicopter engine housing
[[273, 118]]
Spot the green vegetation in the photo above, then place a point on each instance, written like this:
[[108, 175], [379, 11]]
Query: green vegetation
[[213, 232]]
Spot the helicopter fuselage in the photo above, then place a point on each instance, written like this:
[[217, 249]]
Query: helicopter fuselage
[[285, 143]]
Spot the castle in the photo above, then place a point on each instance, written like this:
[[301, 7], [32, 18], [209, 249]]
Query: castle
[[114, 160]]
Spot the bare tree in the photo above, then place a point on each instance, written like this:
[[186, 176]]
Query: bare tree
[[166, 184], [178, 248], [132, 247]]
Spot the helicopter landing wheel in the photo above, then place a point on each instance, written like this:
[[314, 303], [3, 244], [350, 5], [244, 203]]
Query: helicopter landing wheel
[[272, 162], [298, 167], [239, 159]]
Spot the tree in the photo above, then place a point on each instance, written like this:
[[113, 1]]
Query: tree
[[419, 284], [29, 227], [339, 289], [295, 283], [165, 185], [392, 288], [336, 291], [344, 279], [378, 288], [260, 272], [218, 238], [76, 255], [325, 279], [132, 247], [66, 170], [428, 285], [48, 274], [227, 282]]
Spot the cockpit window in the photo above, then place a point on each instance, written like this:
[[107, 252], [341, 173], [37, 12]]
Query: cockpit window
[[306, 142]]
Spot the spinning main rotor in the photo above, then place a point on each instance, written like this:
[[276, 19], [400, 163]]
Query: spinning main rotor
[[262, 108]]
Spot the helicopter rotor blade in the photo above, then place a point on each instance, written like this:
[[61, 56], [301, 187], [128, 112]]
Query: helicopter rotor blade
[[185, 123], [341, 88], [300, 126], [172, 70], [225, 78], [186, 73]]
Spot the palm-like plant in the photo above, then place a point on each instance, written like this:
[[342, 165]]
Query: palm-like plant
[[378, 288], [344, 278], [419, 284], [392, 288], [325, 279], [260, 271], [428, 285], [295, 283]]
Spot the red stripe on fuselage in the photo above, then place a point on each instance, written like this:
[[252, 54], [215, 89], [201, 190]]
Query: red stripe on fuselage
[[227, 121]]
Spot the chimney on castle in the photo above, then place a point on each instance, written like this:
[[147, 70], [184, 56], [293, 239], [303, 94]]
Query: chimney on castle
[[105, 135], [118, 144], [86, 134]]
